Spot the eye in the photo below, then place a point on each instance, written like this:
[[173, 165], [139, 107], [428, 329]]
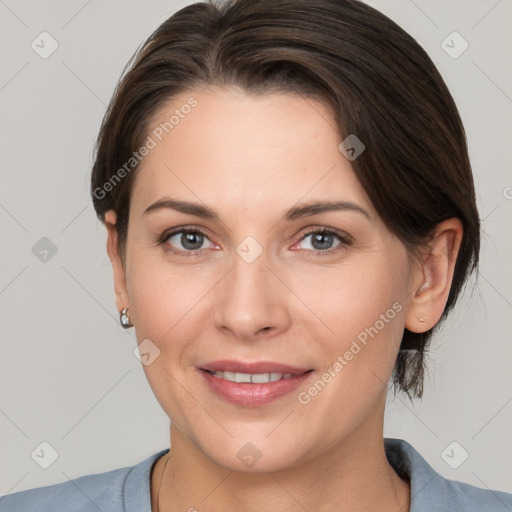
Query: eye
[[322, 240], [193, 241], [186, 240]]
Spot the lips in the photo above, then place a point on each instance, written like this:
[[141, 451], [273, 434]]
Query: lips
[[251, 395], [257, 367], [268, 381]]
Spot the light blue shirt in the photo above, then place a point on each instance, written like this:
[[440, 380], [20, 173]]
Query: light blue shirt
[[128, 489]]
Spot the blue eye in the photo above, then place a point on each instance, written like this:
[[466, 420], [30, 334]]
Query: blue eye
[[186, 240], [190, 242], [323, 240]]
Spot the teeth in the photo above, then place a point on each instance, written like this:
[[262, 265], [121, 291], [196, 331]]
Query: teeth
[[254, 378]]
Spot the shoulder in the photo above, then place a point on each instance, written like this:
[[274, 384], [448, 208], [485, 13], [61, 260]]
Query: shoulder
[[470, 498], [432, 492], [120, 490], [80, 494]]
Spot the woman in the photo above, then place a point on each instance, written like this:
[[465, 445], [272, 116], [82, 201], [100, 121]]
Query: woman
[[290, 214]]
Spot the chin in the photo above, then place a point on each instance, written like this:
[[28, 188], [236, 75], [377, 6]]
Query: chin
[[255, 457]]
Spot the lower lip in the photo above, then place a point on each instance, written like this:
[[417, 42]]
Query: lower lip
[[253, 395]]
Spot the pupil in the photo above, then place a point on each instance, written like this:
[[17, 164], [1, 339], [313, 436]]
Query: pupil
[[192, 241], [322, 241]]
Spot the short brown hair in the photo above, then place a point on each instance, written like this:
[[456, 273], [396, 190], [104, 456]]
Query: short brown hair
[[380, 84]]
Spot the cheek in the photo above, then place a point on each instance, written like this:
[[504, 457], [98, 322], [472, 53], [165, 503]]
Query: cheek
[[365, 311], [353, 296], [163, 301], [161, 295], [375, 305], [363, 305]]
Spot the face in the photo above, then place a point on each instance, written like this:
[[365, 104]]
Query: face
[[245, 269]]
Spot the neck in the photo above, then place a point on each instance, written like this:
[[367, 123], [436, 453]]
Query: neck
[[354, 475]]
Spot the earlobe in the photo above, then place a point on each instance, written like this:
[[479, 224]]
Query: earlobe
[[116, 261], [434, 276]]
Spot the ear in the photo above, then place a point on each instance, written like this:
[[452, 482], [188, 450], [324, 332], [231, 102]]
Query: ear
[[433, 277], [117, 263]]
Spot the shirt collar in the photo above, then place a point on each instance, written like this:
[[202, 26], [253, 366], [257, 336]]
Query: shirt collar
[[402, 456], [137, 486], [425, 482]]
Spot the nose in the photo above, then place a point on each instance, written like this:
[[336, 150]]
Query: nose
[[251, 303]]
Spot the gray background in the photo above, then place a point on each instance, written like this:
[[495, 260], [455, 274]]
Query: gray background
[[68, 375]]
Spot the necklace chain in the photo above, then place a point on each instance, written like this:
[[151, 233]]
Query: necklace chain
[[161, 480]]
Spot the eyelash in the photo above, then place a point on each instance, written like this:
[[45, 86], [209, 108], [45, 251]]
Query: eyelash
[[344, 239]]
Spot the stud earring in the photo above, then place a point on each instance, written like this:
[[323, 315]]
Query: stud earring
[[422, 319], [124, 319]]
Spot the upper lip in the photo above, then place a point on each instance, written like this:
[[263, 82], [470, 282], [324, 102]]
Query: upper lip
[[226, 365]]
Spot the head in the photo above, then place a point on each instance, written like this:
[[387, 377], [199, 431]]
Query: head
[[254, 111]]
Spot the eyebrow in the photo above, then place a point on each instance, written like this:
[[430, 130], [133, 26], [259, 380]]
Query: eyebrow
[[294, 213]]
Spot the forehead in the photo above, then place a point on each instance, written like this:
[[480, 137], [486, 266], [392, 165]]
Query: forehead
[[243, 149]]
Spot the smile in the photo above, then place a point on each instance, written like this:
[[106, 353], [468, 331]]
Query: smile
[[253, 378], [252, 389]]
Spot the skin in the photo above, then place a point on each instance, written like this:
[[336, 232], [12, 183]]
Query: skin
[[251, 158]]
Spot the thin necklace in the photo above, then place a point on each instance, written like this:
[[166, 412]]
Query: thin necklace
[[161, 480]]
